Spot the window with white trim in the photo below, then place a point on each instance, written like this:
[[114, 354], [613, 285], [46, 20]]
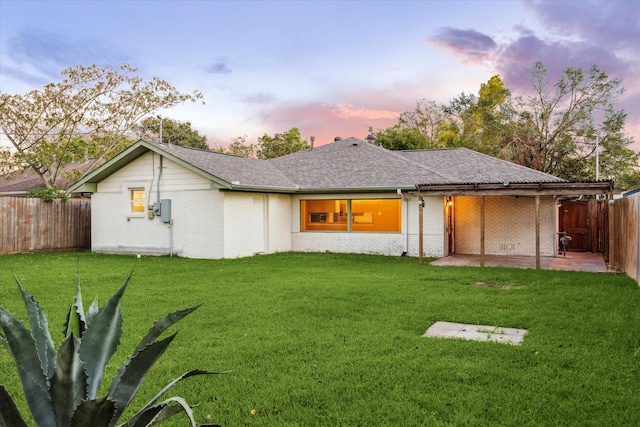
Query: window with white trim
[[136, 200]]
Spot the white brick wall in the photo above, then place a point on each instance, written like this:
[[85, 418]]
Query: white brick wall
[[196, 210], [375, 243], [209, 223], [244, 231], [510, 227], [279, 223]]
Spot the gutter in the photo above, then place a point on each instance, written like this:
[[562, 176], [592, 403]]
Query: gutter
[[316, 190], [235, 185]]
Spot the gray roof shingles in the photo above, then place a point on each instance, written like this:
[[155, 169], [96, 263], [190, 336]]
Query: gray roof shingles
[[355, 164], [246, 171], [464, 166]]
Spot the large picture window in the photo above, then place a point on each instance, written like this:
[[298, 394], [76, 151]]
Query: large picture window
[[375, 215]]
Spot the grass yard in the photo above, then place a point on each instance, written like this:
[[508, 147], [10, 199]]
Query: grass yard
[[333, 339]]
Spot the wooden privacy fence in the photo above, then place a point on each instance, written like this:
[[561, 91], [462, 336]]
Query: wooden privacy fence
[[33, 225], [626, 240]]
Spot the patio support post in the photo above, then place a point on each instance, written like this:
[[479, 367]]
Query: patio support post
[[481, 231], [537, 232]]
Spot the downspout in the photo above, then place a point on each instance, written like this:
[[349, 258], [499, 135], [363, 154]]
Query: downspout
[[160, 171], [150, 214], [158, 205], [158, 184], [171, 237], [405, 220]]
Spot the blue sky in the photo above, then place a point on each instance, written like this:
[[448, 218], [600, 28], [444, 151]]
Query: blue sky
[[330, 68]]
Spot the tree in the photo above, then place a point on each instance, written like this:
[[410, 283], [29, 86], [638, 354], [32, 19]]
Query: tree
[[399, 137], [557, 128], [467, 121], [88, 116], [553, 128], [418, 129], [280, 144], [173, 132], [238, 147], [480, 122]]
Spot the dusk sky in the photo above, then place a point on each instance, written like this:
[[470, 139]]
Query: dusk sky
[[330, 68]]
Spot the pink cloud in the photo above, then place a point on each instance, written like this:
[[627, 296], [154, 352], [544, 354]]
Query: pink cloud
[[348, 111], [472, 45], [326, 121]]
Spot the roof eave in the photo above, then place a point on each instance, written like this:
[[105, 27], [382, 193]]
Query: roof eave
[[329, 190], [563, 188], [129, 155], [260, 188]]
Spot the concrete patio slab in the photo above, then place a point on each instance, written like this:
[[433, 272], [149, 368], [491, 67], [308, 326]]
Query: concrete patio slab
[[577, 261], [476, 332]]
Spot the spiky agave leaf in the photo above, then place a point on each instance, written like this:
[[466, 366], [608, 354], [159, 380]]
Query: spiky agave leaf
[[76, 323], [101, 339], [92, 311], [9, 414], [163, 410], [132, 372], [163, 324], [152, 402], [69, 383], [95, 413], [40, 331], [35, 384], [156, 414], [125, 386]]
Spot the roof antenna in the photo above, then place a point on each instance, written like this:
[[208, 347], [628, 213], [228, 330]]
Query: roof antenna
[[160, 120]]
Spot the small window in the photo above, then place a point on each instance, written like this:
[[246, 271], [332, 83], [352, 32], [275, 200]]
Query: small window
[[137, 200]]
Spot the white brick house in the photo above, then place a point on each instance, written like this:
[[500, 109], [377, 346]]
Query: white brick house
[[349, 196]]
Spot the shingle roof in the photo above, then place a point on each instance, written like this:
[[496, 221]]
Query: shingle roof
[[356, 163], [19, 182], [232, 169], [464, 166], [348, 164], [353, 163]]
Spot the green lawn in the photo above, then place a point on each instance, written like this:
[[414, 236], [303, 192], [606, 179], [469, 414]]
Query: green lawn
[[332, 339]]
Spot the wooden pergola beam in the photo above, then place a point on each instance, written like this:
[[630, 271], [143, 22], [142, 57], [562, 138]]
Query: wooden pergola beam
[[509, 189]]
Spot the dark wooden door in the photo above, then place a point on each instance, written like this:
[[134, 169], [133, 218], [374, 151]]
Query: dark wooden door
[[574, 219]]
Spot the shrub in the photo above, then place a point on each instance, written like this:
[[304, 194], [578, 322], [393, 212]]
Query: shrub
[[61, 387]]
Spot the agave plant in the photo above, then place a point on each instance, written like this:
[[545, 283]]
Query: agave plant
[[61, 388]]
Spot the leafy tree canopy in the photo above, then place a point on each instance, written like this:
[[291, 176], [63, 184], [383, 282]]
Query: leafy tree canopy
[[280, 144], [552, 128], [173, 132], [87, 117], [239, 147], [268, 147]]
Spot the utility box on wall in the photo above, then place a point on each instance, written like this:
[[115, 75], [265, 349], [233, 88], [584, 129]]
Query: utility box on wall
[[165, 210]]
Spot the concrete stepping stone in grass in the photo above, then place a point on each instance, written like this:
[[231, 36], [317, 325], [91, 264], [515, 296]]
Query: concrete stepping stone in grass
[[476, 332]]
